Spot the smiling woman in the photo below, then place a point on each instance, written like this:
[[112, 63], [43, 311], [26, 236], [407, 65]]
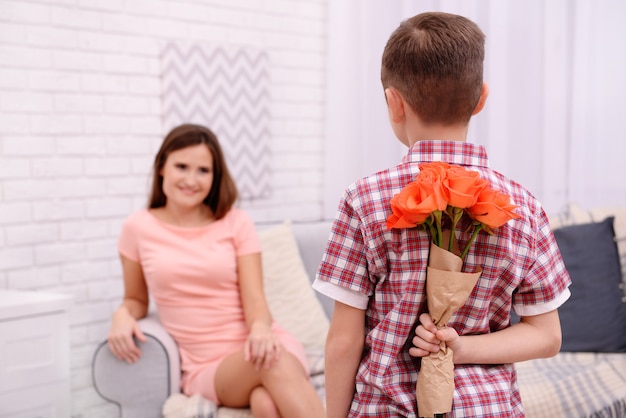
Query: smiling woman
[[200, 259], [187, 176], [189, 148]]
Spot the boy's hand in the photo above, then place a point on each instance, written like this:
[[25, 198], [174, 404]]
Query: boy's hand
[[428, 337]]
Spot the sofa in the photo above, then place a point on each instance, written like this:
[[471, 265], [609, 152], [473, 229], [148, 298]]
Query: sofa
[[588, 377], [584, 380]]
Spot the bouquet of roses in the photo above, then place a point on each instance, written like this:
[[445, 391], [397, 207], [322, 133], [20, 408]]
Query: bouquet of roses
[[439, 197]]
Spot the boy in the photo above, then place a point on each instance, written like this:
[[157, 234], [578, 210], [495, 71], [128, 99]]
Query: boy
[[432, 71]]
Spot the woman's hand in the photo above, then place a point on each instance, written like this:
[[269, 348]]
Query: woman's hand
[[262, 348], [428, 337], [120, 340]]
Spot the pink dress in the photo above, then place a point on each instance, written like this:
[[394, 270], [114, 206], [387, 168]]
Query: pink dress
[[192, 277]]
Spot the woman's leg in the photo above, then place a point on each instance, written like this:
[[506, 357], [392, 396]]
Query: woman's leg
[[262, 405], [286, 382]]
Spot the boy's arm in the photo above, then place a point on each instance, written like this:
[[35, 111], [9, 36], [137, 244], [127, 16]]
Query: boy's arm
[[344, 348], [533, 337]]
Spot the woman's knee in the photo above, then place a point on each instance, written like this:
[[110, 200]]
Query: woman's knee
[[286, 369], [262, 405]]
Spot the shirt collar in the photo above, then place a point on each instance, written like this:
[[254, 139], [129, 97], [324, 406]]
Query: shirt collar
[[452, 152]]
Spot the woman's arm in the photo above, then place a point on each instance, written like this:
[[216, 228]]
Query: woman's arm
[[136, 298], [533, 337], [344, 348], [134, 306], [262, 347]]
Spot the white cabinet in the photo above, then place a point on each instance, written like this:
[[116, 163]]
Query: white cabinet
[[34, 355]]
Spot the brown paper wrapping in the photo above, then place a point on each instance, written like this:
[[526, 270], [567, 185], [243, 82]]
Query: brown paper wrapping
[[447, 289]]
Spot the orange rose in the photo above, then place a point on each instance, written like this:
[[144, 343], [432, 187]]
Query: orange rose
[[438, 166], [463, 187], [415, 202], [441, 188], [430, 178], [404, 207], [493, 208]]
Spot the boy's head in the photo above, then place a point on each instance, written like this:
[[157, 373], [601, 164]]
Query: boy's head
[[435, 61]]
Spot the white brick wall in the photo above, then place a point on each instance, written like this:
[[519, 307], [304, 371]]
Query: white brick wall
[[80, 121]]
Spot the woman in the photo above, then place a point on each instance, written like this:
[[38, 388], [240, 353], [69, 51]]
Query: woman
[[200, 258]]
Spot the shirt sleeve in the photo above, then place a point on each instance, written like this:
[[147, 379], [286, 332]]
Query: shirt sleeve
[[343, 271], [128, 241], [545, 286], [341, 294], [245, 234]]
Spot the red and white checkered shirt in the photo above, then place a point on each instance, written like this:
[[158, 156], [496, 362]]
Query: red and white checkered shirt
[[383, 271]]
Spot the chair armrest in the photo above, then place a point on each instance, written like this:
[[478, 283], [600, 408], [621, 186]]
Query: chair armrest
[[141, 388], [151, 326]]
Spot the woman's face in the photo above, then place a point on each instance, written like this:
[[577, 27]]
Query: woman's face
[[188, 176]]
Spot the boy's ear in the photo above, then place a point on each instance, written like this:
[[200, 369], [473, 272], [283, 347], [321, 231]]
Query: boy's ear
[[395, 105], [483, 98]]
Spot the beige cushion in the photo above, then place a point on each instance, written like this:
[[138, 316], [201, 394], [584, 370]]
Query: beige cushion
[[291, 299]]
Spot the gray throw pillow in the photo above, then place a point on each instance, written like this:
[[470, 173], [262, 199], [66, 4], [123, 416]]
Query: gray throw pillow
[[594, 318]]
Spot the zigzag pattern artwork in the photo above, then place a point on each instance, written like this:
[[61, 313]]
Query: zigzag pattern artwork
[[227, 90]]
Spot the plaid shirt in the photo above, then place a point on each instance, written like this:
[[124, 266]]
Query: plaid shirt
[[383, 271]]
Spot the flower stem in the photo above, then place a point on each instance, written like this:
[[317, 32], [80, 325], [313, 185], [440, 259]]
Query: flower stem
[[477, 229], [455, 217], [431, 227], [439, 237]]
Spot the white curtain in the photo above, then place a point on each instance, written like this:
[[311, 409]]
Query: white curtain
[[553, 121]]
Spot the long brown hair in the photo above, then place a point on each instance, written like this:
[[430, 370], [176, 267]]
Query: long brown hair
[[223, 192]]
